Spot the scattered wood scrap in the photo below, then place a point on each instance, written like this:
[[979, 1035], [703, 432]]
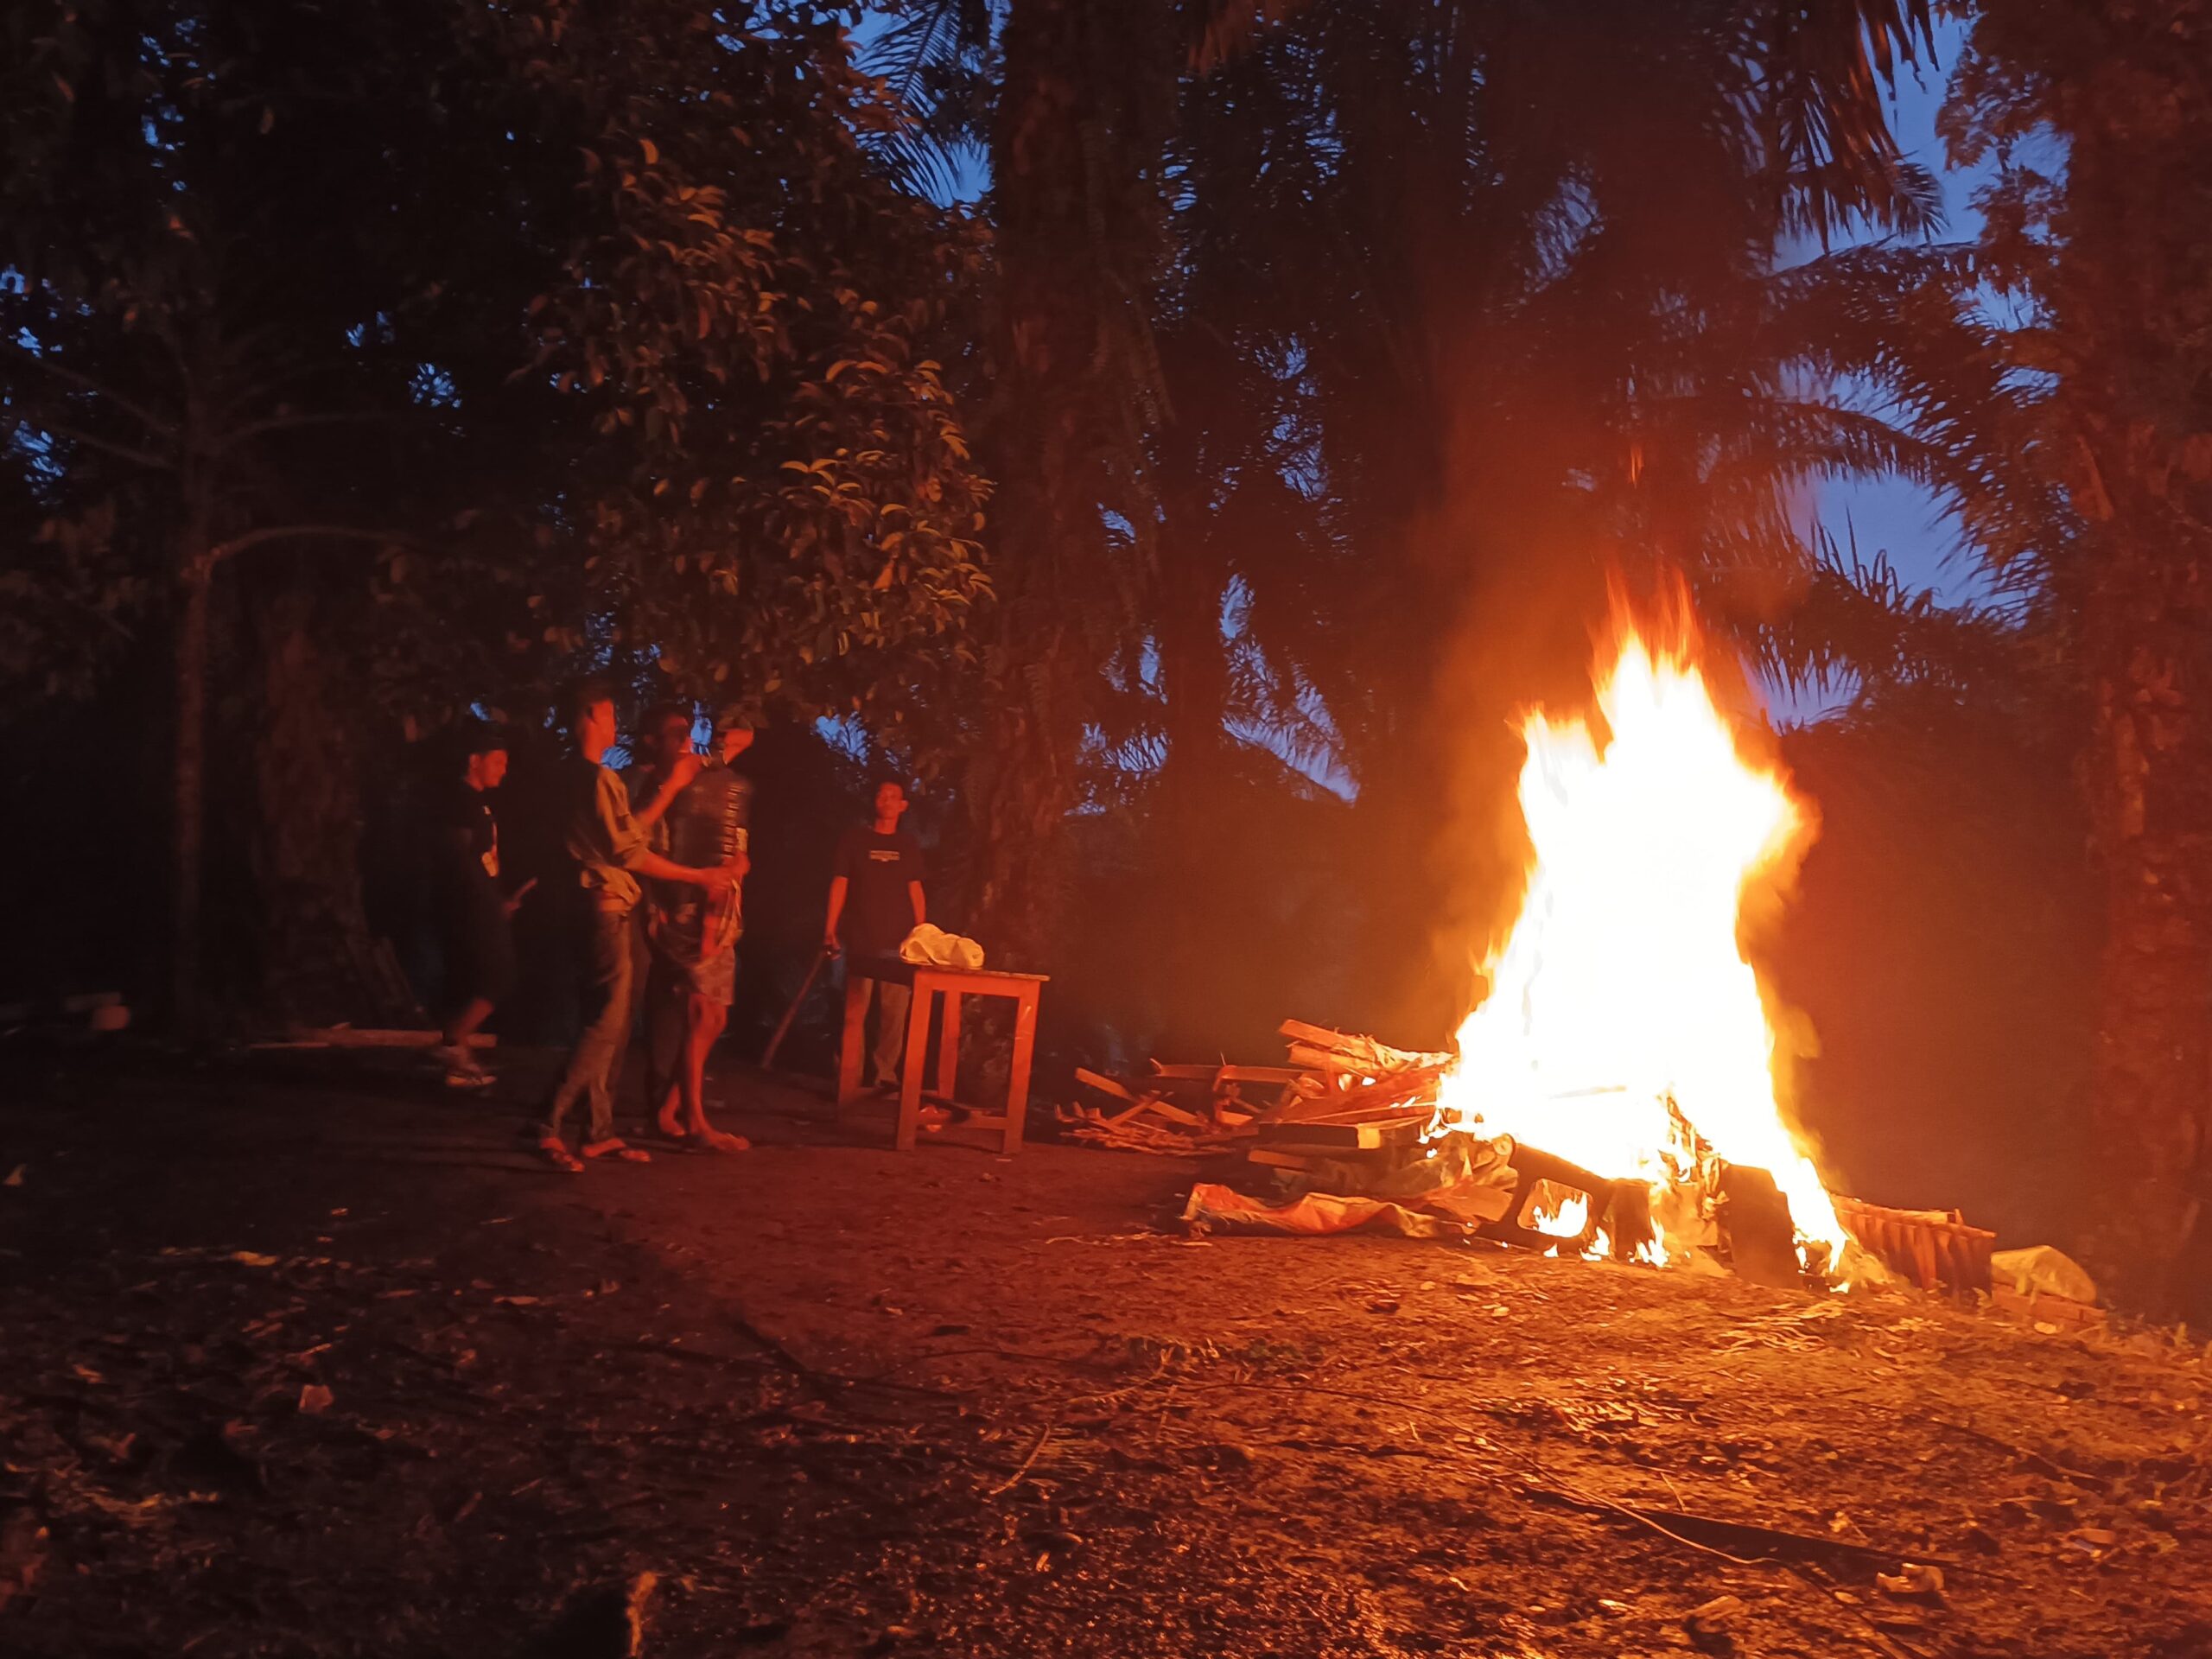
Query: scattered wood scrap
[[1176, 1111]]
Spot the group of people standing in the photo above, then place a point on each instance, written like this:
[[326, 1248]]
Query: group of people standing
[[654, 937]]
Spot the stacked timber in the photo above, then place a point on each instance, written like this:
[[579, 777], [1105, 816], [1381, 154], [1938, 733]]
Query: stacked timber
[[1341, 1093]]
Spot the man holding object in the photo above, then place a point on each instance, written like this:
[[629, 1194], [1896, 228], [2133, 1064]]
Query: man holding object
[[610, 848], [875, 900]]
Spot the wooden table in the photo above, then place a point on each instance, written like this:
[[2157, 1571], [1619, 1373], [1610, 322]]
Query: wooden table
[[952, 983]]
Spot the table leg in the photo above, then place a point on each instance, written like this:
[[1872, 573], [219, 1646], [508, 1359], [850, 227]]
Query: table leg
[[1017, 1086], [948, 1057], [849, 1050], [918, 1048]]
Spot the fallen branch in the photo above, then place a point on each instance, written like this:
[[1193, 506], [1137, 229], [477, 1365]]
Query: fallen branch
[[1014, 1479], [1778, 1540]]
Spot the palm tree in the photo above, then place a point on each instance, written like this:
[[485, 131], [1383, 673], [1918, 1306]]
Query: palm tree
[[1469, 189], [1441, 267], [2103, 512]]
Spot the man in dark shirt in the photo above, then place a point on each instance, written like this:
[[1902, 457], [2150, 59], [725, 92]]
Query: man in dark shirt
[[475, 904], [875, 900]]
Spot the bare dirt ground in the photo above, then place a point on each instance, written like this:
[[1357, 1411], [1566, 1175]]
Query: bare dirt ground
[[304, 1359]]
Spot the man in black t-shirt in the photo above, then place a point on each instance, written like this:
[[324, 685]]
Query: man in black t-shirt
[[475, 904], [875, 900]]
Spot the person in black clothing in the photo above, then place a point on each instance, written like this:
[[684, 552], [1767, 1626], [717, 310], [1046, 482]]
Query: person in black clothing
[[475, 904], [875, 900]]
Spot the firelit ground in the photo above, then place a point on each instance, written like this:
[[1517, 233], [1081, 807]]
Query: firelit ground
[[310, 1360]]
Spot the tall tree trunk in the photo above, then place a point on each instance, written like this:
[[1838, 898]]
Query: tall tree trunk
[[317, 958], [1194, 802], [188, 778], [1088, 89], [2153, 1097], [2124, 309]]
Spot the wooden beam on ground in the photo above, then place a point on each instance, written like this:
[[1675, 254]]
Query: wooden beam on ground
[[1105, 1084], [370, 1037]]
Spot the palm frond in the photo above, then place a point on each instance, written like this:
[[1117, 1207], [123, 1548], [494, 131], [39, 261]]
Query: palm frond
[[934, 59], [1858, 627]]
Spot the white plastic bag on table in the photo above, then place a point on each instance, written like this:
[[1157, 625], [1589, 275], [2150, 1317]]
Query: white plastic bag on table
[[930, 946]]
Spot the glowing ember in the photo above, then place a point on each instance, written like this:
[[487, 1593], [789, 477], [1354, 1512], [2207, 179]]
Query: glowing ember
[[1621, 1014]]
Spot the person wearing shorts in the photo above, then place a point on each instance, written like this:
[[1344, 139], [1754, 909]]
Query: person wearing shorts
[[692, 943], [610, 853]]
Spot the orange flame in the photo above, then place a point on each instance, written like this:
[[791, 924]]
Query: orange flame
[[1622, 1019]]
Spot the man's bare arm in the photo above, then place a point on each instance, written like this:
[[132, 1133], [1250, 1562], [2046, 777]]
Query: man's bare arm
[[921, 904], [687, 767], [714, 878], [836, 909]]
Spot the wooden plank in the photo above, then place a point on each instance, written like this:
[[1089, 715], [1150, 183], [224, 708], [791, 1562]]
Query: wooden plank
[[1227, 1073], [1416, 1110], [1366, 1136], [1105, 1084], [849, 1039], [913, 1064], [1017, 1088], [1177, 1115], [1279, 1160], [1363, 1136], [350, 1037], [1128, 1112], [1349, 1051], [948, 1059]]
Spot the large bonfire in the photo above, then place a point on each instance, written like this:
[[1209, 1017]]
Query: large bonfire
[[1623, 1030]]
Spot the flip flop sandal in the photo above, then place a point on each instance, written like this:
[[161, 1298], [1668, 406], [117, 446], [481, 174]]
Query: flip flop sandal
[[556, 1154], [718, 1140], [619, 1150]]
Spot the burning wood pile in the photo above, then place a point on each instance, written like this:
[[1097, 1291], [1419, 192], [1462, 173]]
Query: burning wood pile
[[1615, 1090], [1352, 1136]]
